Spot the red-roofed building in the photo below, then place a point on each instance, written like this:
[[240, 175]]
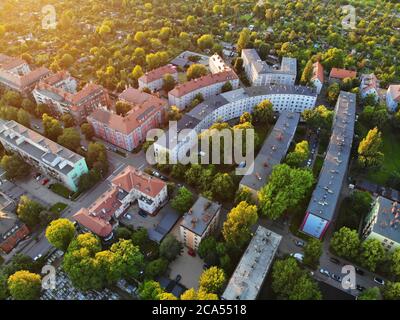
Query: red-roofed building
[[208, 85], [128, 131], [150, 191], [318, 76], [59, 92], [154, 79], [14, 65], [340, 74]]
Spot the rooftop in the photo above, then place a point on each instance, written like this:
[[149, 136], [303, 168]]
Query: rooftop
[[368, 81], [200, 215], [342, 73], [326, 194], [288, 65], [273, 150], [394, 91], [253, 267], [39, 147], [318, 72], [158, 73]]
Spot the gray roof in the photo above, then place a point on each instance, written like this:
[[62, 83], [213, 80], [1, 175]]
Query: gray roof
[[252, 269], [200, 215], [288, 65], [207, 106], [387, 219], [280, 89], [273, 150], [326, 194], [171, 216]]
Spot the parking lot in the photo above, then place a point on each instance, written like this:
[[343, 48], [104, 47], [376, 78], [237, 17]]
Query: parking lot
[[132, 218]]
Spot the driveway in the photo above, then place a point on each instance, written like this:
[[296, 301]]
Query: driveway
[[138, 221]]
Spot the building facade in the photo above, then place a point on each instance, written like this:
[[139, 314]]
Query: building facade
[[59, 92], [382, 223], [199, 222], [393, 97], [261, 74], [317, 78], [369, 86], [42, 153], [129, 131], [154, 79], [217, 64], [208, 85], [227, 106], [322, 207]]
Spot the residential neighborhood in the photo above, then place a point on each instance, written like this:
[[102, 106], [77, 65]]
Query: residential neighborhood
[[199, 150]]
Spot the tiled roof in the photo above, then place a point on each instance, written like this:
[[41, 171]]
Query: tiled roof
[[131, 178], [158, 73], [7, 62], [23, 81], [202, 82], [342, 73], [318, 72]]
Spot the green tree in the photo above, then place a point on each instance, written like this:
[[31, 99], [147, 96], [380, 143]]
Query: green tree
[[299, 155], [192, 294], [140, 237], [183, 200], [227, 87], [206, 41], [168, 82], [123, 233], [333, 58], [66, 61], [246, 117], [263, 112], [14, 166], [150, 290], [222, 186], [96, 157], [370, 294], [212, 280], [129, 257], [312, 252], [244, 40], [68, 120], [374, 116], [24, 285], [207, 246], [52, 127], [174, 113], [395, 262], [237, 227], [156, 268], [170, 247], [372, 253], [70, 138], [88, 130], [307, 73], [122, 108], [60, 233], [24, 118], [319, 117], [345, 243], [391, 291], [196, 71], [333, 92], [285, 189], [369, 154], [28, 211]]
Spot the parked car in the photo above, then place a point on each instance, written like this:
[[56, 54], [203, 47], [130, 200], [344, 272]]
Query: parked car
[[299, 243], [163, 178], [45, 181], [178, 278], [298, 256], [360, 288], [128, 216], [205, 266], [324, 272], [359, 271], [37, 257], [156, 173], [142, 213], [334, 260], [191, 253], [379, 280], [36, 127], [336, 277]]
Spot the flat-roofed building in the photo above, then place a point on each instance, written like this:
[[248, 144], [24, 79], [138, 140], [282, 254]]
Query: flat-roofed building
[[154, 79], [260, 73], [382, 223], [322, 207], [209, 85], [44, 154], [272, 152], [200, 221], [59, 92], [250, 273]]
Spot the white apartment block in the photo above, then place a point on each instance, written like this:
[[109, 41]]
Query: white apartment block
[[217, 64], [260, 73], [47, 156], [154, 80]]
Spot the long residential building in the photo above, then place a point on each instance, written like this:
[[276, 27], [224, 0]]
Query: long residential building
[[59, 92], [154, 79], [128, 131], [382, 223], [250, 273], [272, 152], [199, 222], [227, 106], [260, 73], [44, 154], [130, 185], [209, 85], [15, 74], [322, 207], [393, 97]]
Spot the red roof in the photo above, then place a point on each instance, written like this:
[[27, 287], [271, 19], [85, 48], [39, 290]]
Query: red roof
[[342, 73], [318, 72], [143, 106], [202, 82], [131, 178], [158, 73], [7, 62], [24, 81]]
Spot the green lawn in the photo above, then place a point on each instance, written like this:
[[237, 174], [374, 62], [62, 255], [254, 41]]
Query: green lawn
[[58, 207], [391, 150], [61, 190]]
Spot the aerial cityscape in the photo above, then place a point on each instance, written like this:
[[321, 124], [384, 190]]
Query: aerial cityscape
[[200, 150]]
